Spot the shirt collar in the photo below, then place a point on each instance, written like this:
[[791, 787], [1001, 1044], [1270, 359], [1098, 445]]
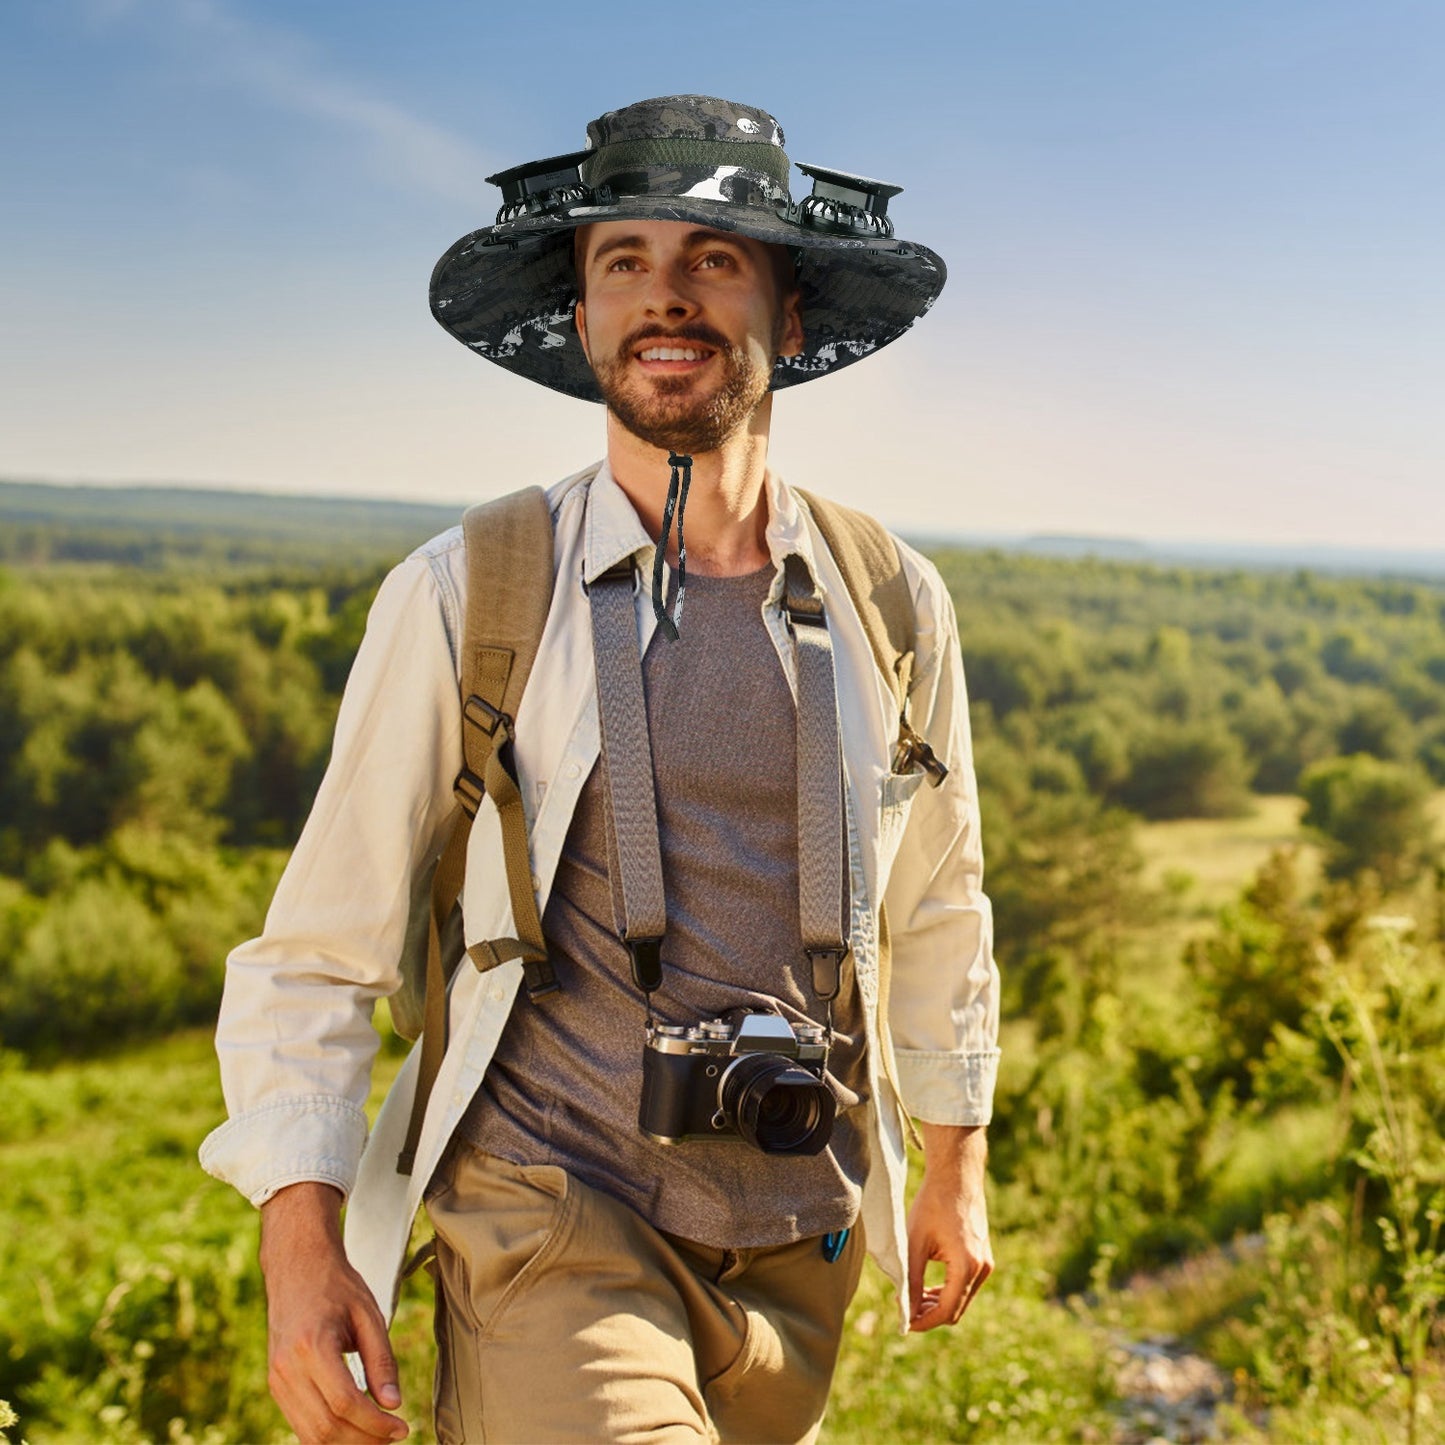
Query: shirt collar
[[614, 530]]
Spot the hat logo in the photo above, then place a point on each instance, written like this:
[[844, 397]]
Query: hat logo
[[712, 188]]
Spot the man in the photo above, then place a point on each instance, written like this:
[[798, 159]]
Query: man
[[604, 1273]]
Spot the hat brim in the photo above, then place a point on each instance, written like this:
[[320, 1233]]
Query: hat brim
[[508, 292]]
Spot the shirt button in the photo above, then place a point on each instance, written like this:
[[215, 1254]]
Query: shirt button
[[536, 883], [574, 770]]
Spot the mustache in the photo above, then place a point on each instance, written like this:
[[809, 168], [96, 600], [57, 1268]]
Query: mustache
[[697, 331]]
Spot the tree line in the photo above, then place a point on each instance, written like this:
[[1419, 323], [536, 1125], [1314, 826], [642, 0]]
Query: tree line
[[159, 733]]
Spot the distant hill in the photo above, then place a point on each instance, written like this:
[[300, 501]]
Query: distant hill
[[153, 527], [156, 527], [1423, 565]]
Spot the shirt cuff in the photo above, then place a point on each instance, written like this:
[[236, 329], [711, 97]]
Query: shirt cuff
[[304, 1137], [947, 1088]]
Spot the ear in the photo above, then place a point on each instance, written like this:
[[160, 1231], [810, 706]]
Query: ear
[[792, 340], [579, 320]]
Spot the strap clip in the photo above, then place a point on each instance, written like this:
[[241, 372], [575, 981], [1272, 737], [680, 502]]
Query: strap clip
[[537, 971], [805, 611], [646, 963], [539, 977], [469, 790], [481, 714], [827, 971]]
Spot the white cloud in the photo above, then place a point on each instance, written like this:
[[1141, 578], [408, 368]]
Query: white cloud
[[282, 69]]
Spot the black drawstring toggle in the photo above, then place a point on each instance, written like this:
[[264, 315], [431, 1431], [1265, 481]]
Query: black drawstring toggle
[[677, 486]]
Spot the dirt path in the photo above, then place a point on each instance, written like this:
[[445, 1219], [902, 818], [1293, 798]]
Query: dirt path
[[1167, 1393]]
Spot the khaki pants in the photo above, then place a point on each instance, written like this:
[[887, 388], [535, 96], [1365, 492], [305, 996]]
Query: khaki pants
[[564, 1316]]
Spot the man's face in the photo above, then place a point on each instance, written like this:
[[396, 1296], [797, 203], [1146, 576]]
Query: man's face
[[682, 326]]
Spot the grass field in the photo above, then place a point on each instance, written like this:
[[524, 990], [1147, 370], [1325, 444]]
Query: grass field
[[1203, 861], [131, 1308]]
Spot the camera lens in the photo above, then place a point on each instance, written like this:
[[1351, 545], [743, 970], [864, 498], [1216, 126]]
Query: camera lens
[[777, 1106]]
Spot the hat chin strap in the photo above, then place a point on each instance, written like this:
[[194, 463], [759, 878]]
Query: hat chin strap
[[677, 486]]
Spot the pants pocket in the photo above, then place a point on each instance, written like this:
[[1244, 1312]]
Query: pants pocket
[[496, 1227]]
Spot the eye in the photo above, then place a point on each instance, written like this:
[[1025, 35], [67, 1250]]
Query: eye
[[624, 263], [713, 259]]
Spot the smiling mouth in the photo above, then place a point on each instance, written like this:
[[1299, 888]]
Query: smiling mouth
[[673, 358]]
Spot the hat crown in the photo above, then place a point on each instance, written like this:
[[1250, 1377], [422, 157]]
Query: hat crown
[[685, 117], [689, 148]]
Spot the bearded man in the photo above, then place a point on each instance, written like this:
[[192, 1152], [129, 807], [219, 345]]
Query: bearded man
[[654, 1170]]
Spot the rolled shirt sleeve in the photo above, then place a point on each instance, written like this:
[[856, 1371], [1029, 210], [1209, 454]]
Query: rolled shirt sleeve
[[944, 998], [294, 1038]]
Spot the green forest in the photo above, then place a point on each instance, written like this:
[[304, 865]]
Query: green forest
[[1213, 804]]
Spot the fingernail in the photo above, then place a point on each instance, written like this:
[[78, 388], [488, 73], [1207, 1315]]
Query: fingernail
[[389, 1396]]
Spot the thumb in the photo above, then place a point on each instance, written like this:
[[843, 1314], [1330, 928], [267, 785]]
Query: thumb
[[374, 1347], [917, 1263]]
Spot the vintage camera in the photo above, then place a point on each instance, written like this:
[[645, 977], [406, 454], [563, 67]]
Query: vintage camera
[[756, 1077]]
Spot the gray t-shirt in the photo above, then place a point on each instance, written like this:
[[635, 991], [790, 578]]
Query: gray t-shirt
[[564, 1085]]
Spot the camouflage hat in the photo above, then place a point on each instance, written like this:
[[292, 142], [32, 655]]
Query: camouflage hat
[[508, 290]]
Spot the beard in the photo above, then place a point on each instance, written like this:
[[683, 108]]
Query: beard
[[673, 411]]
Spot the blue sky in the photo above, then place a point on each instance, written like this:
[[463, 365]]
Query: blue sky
[[1195, 273]]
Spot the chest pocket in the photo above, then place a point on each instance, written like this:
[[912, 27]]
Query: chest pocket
[[897, 799]]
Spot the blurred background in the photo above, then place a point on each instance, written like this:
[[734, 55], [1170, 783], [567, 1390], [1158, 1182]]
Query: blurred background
[[1173, 436]]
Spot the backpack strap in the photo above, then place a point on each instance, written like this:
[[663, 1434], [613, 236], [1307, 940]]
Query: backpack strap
[[867, 556], [509, 591]]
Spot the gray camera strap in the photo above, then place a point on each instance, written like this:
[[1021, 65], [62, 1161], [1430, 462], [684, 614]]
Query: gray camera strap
[[634, 847], [823, 893], [639, 906]]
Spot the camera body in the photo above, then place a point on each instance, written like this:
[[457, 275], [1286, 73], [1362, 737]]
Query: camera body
[[758, 1078]]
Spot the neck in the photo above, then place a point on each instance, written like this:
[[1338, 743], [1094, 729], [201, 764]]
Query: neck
[[727, 510]]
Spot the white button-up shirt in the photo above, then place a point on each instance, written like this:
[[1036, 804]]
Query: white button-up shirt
[[295, 1038]]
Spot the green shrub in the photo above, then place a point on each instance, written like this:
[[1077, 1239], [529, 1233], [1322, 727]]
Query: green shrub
[[1191, 770], [123, 941], [1371, 814], [97, 965], [1258, 974]]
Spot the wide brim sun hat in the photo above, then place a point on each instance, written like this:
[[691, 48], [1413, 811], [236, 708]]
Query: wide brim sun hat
[[508, 290]]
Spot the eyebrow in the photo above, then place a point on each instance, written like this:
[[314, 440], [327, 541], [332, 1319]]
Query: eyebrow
[[619, 243], [700, 237]]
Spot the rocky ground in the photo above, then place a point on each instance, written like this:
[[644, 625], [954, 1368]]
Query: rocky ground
[[1167, 1394]]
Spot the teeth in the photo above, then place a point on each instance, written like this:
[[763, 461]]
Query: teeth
[[671, 353]]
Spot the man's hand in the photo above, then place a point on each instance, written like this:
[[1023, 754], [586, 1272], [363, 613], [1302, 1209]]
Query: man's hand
[[318, 1308], [948, 1222]]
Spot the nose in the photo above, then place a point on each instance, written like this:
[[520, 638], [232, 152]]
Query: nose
[[670, 296]]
